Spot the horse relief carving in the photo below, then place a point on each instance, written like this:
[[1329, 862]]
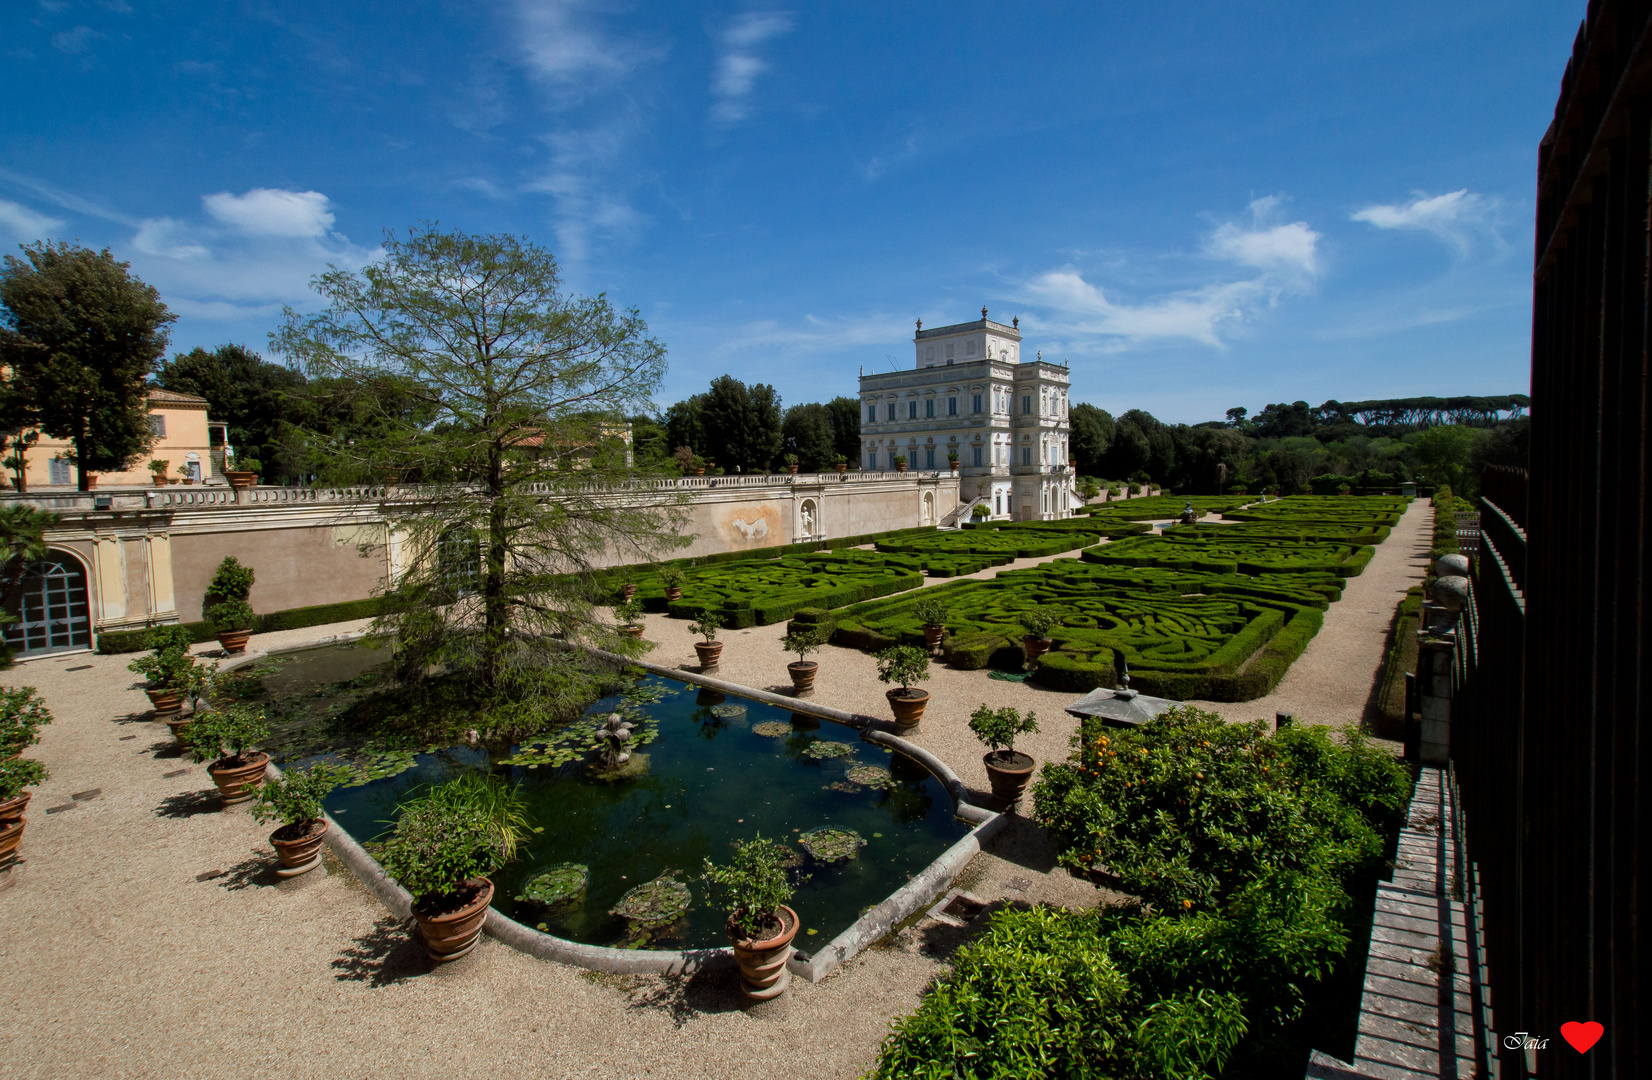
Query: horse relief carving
[[751, 530]]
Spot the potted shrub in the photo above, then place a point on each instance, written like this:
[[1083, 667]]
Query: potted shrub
[[228, 738], [791, 463], [754, 888], [628, 586], [23, 713], [900, 463], [164, 667], [932, 613], [231, 581], [1037, 623], [904, 664], [295, 800], [442, 853], [243, 472], [980, 513], [233, 622], [841, 464], [698, 466], [184, 474], [629, 614], [157, 470], [952, 460], [672, 578], [15, 774], [803, 642], [1007, 770], [710, 650]]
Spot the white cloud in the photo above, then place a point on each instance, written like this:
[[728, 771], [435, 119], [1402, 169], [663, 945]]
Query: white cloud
[[563, 46], [1285, 256], [26, 224], [815, 334], [76, 41], [588, 203], [738, 66], [1457, 217], [168, 239], [272, 212]]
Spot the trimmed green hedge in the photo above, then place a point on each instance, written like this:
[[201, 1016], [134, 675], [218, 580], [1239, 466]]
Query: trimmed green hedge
[[758, 593], [123, 641]]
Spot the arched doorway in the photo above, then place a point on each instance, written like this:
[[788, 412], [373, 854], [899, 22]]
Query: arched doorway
[[459, 561], [48, 597]]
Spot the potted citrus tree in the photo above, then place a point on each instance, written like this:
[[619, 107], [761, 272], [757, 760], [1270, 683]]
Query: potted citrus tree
[[442, 851], [629, 614], [15, 775], [157, 470], [672, 578], [1037, 623], [228, 738], [952, 460], [803, 642], [164, 666], [243, 472], [707, 625], [754, 889], [233, 622], [900, 463], [23, 713], [791, 463], [841, 464], [294, 799], [932, 613], [231, 581], [904, 664], [1007, 770]]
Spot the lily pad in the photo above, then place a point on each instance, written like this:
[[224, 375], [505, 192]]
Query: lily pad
[[728, 712], [830, 844], [821, 748], [558, 888], [660, 902], [870, 776], [773, 729]]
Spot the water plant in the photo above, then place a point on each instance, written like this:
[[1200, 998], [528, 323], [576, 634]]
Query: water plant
[[830, 844], [752, 887], [654, 904], [871, 776], [773, 729], [824, 749], [495, 798], [556, 889]]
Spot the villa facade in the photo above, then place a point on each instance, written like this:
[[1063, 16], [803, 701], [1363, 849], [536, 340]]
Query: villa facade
[[971, 397]]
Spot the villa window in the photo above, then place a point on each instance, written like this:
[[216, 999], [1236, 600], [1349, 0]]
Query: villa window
[[871, 459], [871, 414], [977, 455], [1026, 455], [929, 457], [891, 410], [969, 348], [929, 353], [61, 471], [952, 406], [1026, 404], [949, 348], [157, 426], [929, 409], [911, 410], [975, 404]]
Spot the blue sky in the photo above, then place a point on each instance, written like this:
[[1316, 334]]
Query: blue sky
[[1198, 205]]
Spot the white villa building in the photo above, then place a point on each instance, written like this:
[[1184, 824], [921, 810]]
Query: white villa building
[[970, 394]]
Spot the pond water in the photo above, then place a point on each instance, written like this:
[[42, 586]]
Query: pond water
[[710, 779]]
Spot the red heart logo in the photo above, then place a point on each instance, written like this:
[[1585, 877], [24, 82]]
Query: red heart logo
[[1582, 1036]]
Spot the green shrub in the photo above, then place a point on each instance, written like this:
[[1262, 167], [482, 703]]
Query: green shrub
[[997, 729], [438, 846], [753, 887], [903, 664], [23, 713], [295, 799], [228, 734], [232, 615], [497, 799], [17, 774], [231, 581], [194, 633]]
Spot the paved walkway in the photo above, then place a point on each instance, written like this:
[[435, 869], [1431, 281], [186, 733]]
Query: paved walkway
[[147, 936]]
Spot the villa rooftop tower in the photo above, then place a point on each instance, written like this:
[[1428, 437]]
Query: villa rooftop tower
[[970, 394]]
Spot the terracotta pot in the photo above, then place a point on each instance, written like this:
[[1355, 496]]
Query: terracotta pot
[[178, 725], [452, 934], [631, 631], [900, 468], [675, 592], [238, 783], [710, 652], [792, 469], [952, 463], [299, 846], [841, 469], [803, 675], [165, 701], [627, 592], [1009, 776], [92, 482], [234, 641], [907, 705], [10, 836], [240, 479], [12, 809], [157, 480], [933, 636], [699, 472], [1036, 647], [763, 973], [189, 479]]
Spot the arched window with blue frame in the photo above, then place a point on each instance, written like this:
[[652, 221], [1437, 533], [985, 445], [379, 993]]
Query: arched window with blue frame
[[48, 602]]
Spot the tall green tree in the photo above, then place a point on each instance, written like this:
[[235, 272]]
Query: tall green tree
[[740, 424], [1092, 434], [845, 416], [522, 383], [807, 431], [79, 337], [251, 395]]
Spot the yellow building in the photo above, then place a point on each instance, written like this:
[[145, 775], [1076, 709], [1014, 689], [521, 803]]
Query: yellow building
[[182, 436]]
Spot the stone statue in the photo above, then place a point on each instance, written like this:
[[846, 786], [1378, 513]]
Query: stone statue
[[808, 519]]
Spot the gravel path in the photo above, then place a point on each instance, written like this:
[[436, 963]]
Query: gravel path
[[146, 934]]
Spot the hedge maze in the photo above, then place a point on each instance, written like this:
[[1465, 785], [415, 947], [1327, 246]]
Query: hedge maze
[[1211, 611], [752, 592]]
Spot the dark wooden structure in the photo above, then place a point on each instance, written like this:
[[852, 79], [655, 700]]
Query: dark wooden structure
[[1550, 739]]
